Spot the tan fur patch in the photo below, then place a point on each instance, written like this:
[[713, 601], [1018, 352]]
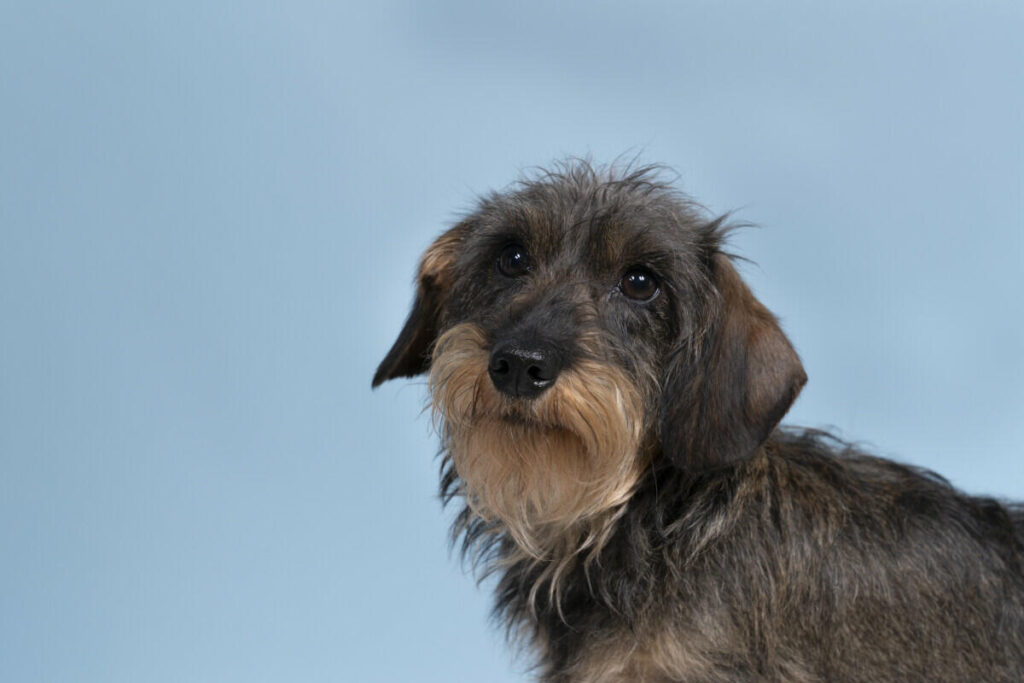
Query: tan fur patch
[[628, 657], [438, 259]]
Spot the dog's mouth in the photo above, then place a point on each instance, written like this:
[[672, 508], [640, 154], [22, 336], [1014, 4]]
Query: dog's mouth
[[547, 414], [516, 418], [521, 412]]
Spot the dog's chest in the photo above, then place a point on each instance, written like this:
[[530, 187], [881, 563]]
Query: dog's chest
[[623, 659], [659, 652], [673, 653]]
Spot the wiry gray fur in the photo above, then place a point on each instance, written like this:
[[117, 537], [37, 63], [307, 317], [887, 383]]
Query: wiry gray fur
[[747, 552]]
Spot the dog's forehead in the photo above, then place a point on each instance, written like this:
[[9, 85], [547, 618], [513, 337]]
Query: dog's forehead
[[601, 224]]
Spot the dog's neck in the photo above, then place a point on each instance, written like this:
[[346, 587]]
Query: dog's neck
[[546, 553]]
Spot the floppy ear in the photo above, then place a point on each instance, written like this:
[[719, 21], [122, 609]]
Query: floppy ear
[[723, 398], [410, 354]]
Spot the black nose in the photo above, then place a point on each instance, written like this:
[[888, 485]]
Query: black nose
[[521, 371]]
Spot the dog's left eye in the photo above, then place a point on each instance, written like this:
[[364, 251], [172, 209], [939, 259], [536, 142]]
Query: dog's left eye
[[513, 261], [639, 284]]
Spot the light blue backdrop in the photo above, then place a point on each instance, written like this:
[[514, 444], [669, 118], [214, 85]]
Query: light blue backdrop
[[210, 215]]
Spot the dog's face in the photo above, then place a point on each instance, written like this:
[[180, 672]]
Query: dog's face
[[577, 329]]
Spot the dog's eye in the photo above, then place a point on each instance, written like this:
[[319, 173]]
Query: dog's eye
[[639, 284], [513, 261]]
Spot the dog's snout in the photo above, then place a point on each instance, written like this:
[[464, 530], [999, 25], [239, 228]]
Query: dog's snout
[[523, 372]]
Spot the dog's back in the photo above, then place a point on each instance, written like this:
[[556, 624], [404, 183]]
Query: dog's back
[[1017, 519], [918, 581]]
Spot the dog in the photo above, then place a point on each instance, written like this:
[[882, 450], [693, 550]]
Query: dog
[[608, 393]]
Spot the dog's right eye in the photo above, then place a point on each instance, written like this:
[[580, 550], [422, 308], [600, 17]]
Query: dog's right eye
[[639, 284], [513, 261]]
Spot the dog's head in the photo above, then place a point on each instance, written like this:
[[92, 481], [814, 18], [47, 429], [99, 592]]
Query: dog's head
[[577, 329]]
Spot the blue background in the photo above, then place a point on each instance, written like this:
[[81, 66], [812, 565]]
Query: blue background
[[210, 215]]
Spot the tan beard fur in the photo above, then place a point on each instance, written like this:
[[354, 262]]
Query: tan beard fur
[[552, 470]]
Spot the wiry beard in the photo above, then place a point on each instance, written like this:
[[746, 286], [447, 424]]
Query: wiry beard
[[547, 469]]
